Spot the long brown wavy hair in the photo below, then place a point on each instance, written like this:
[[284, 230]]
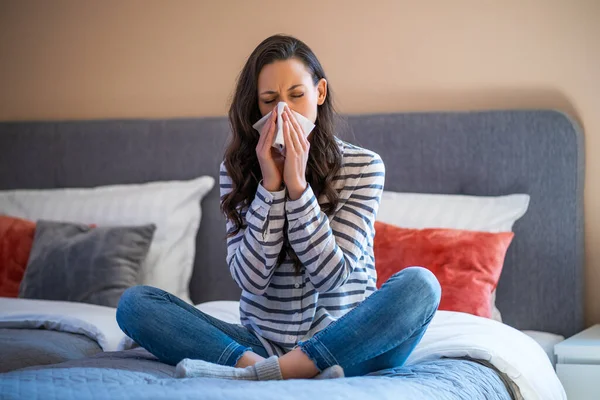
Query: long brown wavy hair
[[324, 160]]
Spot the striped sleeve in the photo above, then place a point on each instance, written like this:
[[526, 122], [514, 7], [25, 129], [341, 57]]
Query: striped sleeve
[[252, 253], [330, 251]]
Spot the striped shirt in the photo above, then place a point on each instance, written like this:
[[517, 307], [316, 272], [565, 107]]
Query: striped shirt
[[336, 252]]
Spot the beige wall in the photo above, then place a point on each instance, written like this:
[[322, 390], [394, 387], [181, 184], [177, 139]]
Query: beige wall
[[96, 59]]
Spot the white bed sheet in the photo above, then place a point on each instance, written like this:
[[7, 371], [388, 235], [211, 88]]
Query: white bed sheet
[[547, 341]]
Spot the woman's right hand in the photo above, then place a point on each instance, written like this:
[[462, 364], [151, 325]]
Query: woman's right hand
[[270, 160]]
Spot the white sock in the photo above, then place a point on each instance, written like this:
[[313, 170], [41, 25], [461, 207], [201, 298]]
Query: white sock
[[264, 370]]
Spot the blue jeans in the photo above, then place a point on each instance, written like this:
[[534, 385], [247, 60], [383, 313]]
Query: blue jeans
[[379, 333]]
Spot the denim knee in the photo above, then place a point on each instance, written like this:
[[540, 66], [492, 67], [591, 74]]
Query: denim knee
[[131, 304], [418, 280]]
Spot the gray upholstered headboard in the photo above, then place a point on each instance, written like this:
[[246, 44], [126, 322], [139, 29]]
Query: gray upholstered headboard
[[476, 153]]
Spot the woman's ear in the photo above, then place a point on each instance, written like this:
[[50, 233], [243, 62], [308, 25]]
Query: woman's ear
[[322, 91]]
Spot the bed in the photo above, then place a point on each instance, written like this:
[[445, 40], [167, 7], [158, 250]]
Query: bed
[[486, 153]]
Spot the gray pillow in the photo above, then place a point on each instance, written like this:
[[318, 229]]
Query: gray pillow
[[75, 262]]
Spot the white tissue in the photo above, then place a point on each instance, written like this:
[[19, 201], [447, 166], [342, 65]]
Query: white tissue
[[278, 143]]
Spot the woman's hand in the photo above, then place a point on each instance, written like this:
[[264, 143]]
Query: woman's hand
[[296, 155], [271, 162]]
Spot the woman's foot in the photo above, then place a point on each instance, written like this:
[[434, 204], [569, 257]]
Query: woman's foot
[[297, 365], [267, 369]]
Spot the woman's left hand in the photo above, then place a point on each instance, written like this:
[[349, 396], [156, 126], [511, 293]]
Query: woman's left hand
[[296, 155]]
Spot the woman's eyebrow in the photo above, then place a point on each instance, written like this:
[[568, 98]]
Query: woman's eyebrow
[[274, 92]]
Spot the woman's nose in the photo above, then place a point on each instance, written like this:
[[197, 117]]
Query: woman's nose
[[286, 99]]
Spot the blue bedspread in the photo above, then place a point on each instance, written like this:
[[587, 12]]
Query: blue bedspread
[[135, 374]]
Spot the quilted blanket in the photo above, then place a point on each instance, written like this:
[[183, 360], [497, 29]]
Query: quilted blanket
[[135, 374]]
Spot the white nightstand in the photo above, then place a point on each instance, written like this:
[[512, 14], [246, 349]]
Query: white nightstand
[[578, 364]]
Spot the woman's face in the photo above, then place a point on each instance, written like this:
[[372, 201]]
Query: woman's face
[[290, 81]]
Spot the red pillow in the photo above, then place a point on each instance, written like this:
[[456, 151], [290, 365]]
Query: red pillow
[[16, 239], [467, 263]]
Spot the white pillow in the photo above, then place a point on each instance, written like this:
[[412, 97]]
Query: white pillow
[[173, 206], [474, 213]]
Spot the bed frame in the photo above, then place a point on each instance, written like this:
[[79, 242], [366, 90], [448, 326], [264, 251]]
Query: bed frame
[[475, 153]]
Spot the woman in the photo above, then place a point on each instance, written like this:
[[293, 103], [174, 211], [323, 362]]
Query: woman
[[309, 304]]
